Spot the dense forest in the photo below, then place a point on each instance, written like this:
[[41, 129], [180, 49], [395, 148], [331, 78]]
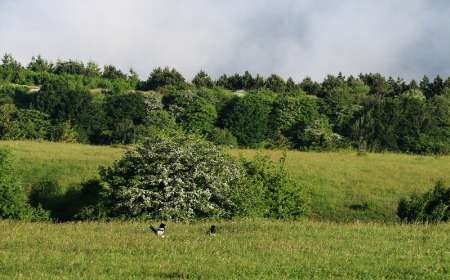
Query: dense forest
[[80, 102]]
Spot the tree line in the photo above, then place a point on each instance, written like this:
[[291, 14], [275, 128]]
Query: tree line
[[81, 102]]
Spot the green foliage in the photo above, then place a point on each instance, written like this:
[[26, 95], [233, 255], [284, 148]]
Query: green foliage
[[112, 73], [12, 196], [12, 71], [281, 196], [40, 64], [247, 117], [160, 120], [217, 96], [202, 79], [125, 112], [291, 114], [162, 77], [64, 132], [69, 67], [104, 106], [319, 136], [13, 201], [193, 112], [222, 137], [179, 177], [432, 206], [340, 101], [22, 123], [275, 83], [63, 100]]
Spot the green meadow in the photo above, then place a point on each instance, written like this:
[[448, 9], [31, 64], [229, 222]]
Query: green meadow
[[257, 249], [342, 186], [351, 231]]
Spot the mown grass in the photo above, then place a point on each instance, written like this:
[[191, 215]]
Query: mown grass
[[343, 186], [258, 249]]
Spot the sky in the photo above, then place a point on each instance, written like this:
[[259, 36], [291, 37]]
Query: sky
[[293, 38]]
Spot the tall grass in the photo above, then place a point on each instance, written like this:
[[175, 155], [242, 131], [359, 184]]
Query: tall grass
[[257, 249], [68, 163], [347, 186]]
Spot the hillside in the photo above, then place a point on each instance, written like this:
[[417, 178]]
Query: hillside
[[342, 185]]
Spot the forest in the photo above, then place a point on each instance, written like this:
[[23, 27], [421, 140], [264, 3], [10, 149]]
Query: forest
[[74, 101]]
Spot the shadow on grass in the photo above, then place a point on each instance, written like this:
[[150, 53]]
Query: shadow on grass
[[65, 205], [171, 275]]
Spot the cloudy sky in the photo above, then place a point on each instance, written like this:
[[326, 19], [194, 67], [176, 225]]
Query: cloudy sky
[[297, 38]]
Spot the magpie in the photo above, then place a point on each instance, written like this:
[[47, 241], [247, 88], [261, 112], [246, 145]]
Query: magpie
[[212, 231], [159, 231]]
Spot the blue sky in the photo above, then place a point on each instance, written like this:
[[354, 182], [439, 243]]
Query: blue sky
[[406, 38]]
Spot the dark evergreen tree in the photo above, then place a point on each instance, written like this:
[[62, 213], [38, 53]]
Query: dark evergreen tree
[[162, 77], [202, 79]]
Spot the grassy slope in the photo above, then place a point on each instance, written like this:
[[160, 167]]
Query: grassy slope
[[337, 182], [242, 250], [340, 182], [68, 163]]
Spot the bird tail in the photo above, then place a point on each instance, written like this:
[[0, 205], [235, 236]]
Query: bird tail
[[153, 229]]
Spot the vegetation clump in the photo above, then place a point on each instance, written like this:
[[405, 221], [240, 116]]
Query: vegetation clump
[[182, 177], [13, 198], [179, 177], [430, 207], [75, 101]]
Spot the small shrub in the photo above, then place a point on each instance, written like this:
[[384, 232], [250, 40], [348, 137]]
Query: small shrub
[[320, 136], [283, 197], [13, 201], [223, 137], [432, 206], [64, 132]]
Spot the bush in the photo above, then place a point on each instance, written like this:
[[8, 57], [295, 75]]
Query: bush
[[222, 137], [64, 132], [248, 118], [193, 112], [320, 136], [12, 197], [178, 177], [22, 123], [432, 206], [282, 197], [13, 201], [291, 114]]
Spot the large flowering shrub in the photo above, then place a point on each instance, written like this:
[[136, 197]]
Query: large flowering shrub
[[178, 177]]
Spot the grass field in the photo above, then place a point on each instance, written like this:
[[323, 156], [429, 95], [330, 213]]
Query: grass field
[[345, 236], [242, 250], [342, 185]]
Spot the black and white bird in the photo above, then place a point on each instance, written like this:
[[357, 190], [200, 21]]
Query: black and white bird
[[212, 231], [159, 231]]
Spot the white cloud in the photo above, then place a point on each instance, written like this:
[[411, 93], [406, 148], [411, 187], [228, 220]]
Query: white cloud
[[293, 38]]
